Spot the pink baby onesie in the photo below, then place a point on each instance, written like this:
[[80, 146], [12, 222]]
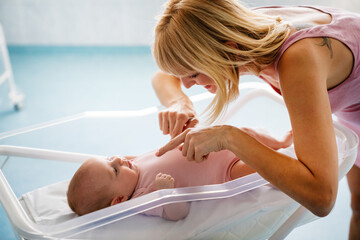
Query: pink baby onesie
[[215, 170], [344, 98]]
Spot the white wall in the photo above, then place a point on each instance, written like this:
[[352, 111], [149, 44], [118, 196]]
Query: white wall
[[79, 22], [99, 22]]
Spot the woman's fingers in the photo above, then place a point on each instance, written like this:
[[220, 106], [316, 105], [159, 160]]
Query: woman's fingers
[[184, 148], [176, 118], [160, 121], [199, 156], [191, 123], [173, 143], [165, 124], [181, 121], [190, 152], [198, 143], [172, 122]]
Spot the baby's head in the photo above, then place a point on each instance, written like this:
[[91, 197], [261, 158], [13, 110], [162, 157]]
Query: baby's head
[[100, 183]]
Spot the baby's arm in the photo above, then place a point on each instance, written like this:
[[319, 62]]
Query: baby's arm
[[240, 169], [124, 157], [268, 140], [173, 211]]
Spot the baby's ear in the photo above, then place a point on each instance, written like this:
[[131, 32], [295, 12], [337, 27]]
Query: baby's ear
[[117, 200]]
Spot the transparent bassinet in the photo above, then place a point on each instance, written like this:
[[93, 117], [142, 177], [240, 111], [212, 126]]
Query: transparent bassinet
[[245, 208]]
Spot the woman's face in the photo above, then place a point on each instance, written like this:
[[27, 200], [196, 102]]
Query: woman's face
[[198, 79]]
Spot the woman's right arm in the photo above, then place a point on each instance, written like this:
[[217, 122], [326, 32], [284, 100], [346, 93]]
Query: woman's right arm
[[179, 113]]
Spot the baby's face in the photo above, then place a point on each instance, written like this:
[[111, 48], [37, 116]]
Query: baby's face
[[119, 175]]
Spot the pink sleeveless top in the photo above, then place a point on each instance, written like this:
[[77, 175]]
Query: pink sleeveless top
[[345, 27]]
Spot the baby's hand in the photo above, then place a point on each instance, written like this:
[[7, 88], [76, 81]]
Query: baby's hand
[[164, 181]]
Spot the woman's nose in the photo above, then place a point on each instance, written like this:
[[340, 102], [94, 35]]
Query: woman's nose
[[188, 83]]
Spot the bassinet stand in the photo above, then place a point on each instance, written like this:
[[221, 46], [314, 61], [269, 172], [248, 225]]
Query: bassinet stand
[[15, 96]]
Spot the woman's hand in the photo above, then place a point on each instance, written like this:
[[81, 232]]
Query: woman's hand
[[199, 142], [177, 118], [268, 140]]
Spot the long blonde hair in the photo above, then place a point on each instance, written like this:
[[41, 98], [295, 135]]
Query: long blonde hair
[[199, 35]]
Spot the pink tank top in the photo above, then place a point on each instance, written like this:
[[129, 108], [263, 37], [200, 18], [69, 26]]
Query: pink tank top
[[345, 27]]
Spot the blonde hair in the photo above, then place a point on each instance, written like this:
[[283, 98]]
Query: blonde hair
[[199, 35]]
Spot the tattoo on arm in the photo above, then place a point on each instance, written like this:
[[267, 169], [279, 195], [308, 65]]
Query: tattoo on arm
[[327, 42], [300, 26]]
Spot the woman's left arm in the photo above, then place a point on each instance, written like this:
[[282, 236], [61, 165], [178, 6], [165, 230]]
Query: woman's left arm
[[303, 72]]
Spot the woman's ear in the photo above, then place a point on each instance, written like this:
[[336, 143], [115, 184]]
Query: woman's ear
[[117, 200], [232, 44]]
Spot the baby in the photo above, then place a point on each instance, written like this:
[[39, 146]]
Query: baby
[[100, 183]]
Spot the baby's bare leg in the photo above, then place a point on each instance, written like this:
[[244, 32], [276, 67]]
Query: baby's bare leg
[[240, 169]]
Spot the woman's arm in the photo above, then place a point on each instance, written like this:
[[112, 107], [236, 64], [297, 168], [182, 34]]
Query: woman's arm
[[180, 113], [313, 179], [168, 89]]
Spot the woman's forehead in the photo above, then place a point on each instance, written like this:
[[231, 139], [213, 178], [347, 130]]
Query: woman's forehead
[[179, 71]]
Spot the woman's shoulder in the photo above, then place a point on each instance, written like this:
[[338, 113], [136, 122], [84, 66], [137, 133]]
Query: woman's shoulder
[[305, 52], [305, 60]]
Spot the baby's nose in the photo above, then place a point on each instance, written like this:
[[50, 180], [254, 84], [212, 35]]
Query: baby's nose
[[121, 161], [118, 160]]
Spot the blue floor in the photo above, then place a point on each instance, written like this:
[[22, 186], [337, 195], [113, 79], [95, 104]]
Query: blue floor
[[62, 81]]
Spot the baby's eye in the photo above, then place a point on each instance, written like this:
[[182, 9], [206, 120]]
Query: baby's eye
[[194, 76], [116, 171]]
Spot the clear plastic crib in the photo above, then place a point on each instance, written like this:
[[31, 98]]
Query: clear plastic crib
[[245, 208]]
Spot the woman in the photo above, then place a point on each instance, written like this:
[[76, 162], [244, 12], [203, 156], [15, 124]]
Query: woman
[[310, 55]]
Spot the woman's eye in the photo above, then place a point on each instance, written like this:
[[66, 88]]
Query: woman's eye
[[194, 76]]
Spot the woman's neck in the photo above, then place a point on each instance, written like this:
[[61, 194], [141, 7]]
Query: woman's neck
[[268, 72]]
